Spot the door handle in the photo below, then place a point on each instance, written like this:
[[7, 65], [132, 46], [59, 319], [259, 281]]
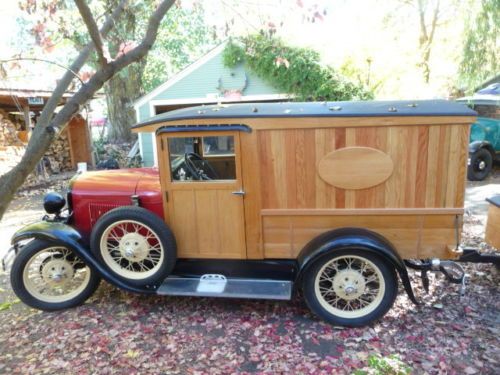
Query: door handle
[[239, 192]]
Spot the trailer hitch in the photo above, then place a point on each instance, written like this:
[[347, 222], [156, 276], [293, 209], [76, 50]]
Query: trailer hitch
[[452, 271]]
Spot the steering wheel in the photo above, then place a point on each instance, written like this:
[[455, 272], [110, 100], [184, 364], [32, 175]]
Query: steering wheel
[[199, 168]]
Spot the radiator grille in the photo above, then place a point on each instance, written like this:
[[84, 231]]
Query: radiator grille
[[99, 209]]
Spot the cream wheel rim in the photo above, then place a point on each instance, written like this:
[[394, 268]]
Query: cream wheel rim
[[52, 275], [349, 286], [132, 249]]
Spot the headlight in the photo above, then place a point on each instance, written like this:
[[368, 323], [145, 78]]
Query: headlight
[[53, 203]]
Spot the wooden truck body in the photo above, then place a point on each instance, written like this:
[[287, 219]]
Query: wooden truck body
[[305, 168]]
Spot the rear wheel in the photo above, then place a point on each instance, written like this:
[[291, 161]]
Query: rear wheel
[[135, 245], [49, 276], [481, 163], [350, 288]]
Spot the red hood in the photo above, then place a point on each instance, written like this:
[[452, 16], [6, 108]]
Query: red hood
[[116, 182], [95, 193]]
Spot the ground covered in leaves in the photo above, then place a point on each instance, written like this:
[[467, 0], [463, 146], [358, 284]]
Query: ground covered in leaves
[[121, 333]]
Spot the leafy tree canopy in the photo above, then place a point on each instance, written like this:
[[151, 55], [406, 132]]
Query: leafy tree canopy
[[293, 70], [481, 50]]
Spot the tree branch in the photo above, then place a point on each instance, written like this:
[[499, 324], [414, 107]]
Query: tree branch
[[86, 92], [68, 77], [149, 37], [93, 30], [434, 22]]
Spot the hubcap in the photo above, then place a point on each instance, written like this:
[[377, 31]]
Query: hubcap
[[349, 286], [57, 272], [482, 165], [134, 247]]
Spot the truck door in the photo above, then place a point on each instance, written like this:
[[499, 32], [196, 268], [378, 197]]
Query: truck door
[[202, 182]]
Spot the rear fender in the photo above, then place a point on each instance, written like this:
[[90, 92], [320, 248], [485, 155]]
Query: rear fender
[[67, 235], [350, 239]]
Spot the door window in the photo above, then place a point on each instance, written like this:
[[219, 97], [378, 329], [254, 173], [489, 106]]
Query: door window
[[210, 158]]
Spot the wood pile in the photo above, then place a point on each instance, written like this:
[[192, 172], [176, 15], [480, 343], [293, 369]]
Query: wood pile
[[8, 131], [58, 157]]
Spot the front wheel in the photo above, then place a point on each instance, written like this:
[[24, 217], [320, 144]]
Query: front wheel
[[350, 288], [134, 244], [49, 276]]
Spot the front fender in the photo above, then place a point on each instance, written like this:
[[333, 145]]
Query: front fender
[[69, 237], [49, 231], [477, 145], [355, 238]]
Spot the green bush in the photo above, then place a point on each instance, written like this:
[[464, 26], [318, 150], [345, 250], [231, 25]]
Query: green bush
[[390, 365], [293, 70]]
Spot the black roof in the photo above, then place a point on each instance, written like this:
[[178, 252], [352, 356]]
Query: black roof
[[316, 109]]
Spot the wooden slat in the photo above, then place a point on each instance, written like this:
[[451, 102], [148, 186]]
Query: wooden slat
[[413, 235], [350, 195], [421, 168], [250, 168], [340, 141], [461, 181], [433, 163], [362, 211]]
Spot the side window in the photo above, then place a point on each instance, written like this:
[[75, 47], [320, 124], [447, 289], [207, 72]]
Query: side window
[[202, 158]]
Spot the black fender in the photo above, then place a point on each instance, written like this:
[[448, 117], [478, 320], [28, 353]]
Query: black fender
[[354, 238], [477, 145], [69, 236]]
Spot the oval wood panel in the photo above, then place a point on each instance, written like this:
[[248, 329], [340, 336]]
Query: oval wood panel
[[355, 167]]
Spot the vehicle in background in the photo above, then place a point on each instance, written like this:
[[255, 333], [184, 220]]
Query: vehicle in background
[[484, 147]]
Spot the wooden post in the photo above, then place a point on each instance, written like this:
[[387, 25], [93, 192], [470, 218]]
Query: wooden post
[[27, 120]]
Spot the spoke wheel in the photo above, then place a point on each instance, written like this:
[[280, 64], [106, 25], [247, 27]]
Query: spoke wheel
[[135, 245], [132, 249], [350, 287], [49, 276]]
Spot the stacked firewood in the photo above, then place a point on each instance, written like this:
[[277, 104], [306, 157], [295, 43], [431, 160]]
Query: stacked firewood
[[8, 131], [58, 158]]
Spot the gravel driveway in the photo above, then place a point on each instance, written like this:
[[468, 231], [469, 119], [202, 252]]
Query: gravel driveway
[[120, 333]]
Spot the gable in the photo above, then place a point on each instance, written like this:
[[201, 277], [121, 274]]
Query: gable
[[208, 78]]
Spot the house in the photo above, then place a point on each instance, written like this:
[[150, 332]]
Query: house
[[206, 81]]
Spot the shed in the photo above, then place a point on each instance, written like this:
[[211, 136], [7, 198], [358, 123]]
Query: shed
[[204, 82], [20, 107]]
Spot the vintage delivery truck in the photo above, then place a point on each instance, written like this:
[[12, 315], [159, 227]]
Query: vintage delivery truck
[[259, 200]]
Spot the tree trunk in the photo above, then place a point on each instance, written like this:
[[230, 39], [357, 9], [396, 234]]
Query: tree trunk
[[121, 91]]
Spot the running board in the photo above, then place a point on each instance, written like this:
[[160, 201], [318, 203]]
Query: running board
[[219, 286]]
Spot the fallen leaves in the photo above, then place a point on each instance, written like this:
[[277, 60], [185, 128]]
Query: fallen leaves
[[120, 333]]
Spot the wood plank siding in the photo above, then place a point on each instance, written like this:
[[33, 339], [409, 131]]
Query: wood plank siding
[[429, 174]]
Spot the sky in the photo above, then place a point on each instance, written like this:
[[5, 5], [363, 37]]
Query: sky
[[350, 32], [8, 14]]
